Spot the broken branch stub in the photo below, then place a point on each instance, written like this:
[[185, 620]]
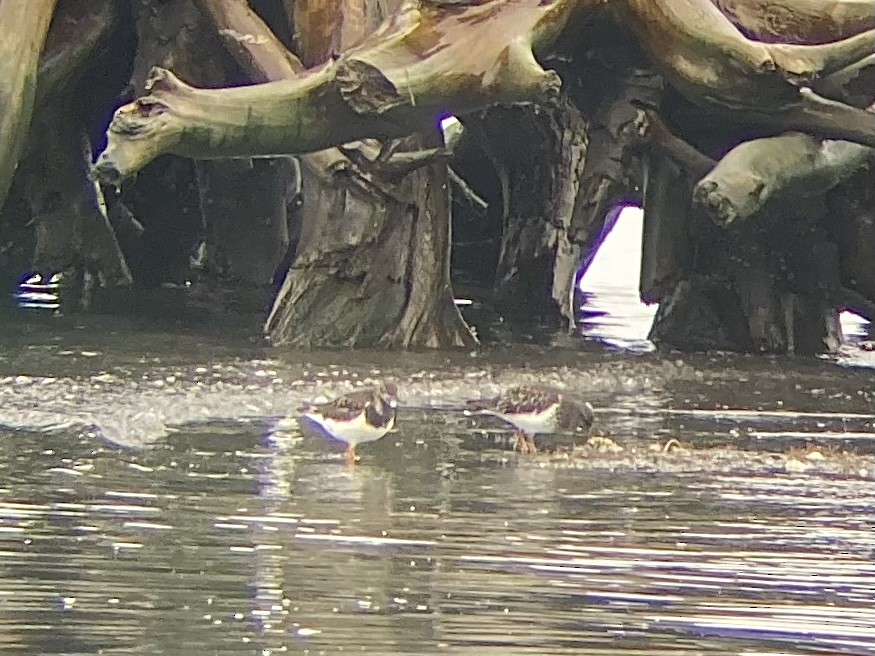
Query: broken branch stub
[[430, 59], [423, 63], [787, 168]]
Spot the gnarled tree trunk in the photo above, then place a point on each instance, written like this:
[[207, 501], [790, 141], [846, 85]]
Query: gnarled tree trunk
[[372, 264], [235, 210], [67, 212], [538, 172]]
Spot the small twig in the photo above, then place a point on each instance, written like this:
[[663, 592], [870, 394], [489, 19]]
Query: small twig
[[469, 194], [387, 149]]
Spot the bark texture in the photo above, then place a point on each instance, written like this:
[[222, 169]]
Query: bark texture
[[67, 212], [23, 30], [372, 263], [395, 81], [538, 172], [235, 224]]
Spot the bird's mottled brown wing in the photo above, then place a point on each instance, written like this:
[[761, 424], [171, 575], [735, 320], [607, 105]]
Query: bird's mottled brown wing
[[338, 412], [349, 406], [528, 399], [482, 404], [343, 408]]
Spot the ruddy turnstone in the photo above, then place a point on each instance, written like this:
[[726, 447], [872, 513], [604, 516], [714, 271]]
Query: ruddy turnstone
[[361, 416], [536, 409]]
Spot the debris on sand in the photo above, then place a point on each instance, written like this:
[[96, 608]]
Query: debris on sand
[[672, 455]]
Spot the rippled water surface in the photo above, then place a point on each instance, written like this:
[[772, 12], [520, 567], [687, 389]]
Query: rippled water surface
[[156, 497]]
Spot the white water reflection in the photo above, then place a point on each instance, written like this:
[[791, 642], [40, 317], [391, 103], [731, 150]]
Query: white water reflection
[[854, 327], [613, 311]]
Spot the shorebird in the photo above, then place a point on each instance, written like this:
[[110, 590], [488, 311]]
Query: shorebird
[[535, 410], [356, 418]]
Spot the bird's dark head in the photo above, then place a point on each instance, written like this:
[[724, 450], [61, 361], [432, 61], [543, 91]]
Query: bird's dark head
[[390, 390], [576, 416]]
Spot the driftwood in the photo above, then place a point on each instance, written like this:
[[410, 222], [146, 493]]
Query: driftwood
[[25, 27], [67, 211], [387, 87], [851, 208], [854, 84], [760, 173], [79, 32], [69, 215], [703, 55], [372, 262], [369, 262], [243, 203], [610, 172], [538, 172], [656, 135], [233, 213], [395, 83], [668, 223]]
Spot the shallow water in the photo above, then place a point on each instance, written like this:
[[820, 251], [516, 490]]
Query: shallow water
[[156, 498]]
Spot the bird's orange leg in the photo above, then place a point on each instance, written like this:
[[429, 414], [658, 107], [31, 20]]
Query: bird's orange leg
[[530, 444], [519, 442], [350, 455]]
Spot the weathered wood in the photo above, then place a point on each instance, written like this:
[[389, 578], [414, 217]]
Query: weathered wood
[[244, 207], [687, 318], [758, 174], [69, 216], [235, 230], [762, 306], [817, 271], [612, 168], [23, 30], [658, 137], [799, 21], [854, 85], [394, 83], [252, 45], [539, 170], [389, 86], [164, 197], [701, 47], [434, 57], [240, 214], [737, 298], [705, 57], [372, 263], [383, 279], [79, 33], [851, 208], [667, 246]]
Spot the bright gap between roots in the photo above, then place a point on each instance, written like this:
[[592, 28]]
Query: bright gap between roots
[[612, 310]]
